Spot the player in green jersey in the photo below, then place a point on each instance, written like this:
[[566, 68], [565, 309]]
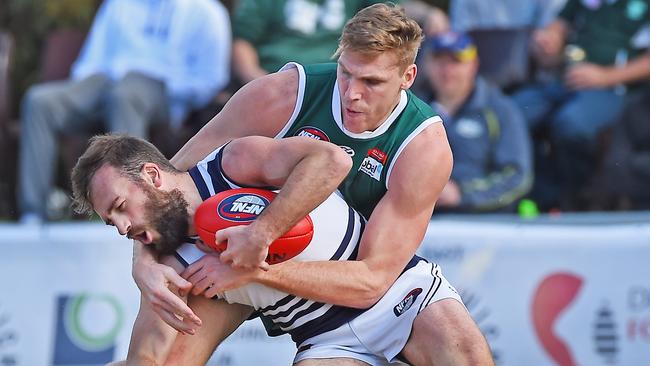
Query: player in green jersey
[[401, 159]]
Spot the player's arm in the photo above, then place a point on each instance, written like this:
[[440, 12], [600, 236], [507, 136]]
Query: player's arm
[[392, 235], [152, 338], [153, 342], [261, 107], [153, 280], [308, 171]]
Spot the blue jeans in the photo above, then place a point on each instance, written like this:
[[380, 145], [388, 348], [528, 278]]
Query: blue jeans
[[129, 105], [573, 121]]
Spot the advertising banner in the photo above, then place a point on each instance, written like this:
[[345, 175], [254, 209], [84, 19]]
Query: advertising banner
[[553, 294]]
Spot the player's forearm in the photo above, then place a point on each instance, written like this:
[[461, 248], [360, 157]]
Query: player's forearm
[[260, 108], [344, 283], [308, 184], [196, 148], [142, 256], [151, 339]]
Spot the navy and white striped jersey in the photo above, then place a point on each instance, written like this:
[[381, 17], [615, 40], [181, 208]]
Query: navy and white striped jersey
[[337, 231]]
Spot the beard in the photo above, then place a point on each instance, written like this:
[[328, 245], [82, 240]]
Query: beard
[[166, 212]]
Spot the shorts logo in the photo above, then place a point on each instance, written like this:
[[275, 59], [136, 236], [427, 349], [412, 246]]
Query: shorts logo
[[407, 302], [86, 328], [373, 164], [242, 207], [313, 132]]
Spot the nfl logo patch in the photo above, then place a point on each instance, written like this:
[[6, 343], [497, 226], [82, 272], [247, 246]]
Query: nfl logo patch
[[313, 133]]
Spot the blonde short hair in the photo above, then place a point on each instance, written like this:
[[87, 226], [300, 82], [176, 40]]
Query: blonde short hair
[[380, 28]]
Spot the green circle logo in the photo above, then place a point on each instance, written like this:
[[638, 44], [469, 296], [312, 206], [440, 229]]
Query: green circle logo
[[76, 324]]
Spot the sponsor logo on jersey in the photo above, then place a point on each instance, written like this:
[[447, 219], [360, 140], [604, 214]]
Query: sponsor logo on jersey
[[348, 150], [313, 132], [407, 302], [373, 164], [318, 134], [378, 155], [242, 207]]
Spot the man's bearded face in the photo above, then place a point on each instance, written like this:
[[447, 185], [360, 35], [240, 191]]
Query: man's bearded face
[[166, 214]]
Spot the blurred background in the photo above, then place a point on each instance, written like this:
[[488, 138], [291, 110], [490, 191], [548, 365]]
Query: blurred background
[[544, 226]]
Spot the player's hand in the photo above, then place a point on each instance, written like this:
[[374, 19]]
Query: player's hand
[[246, 248], [211, 277], [154, 280]]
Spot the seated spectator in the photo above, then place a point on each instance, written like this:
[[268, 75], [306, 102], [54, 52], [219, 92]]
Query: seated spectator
[[486, 131], [269, 33], [143, 63], [466, 15], [431, 18], [587, 96], [624, 178]]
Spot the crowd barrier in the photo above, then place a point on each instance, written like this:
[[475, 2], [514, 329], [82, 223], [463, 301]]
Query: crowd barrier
[[546, 292]]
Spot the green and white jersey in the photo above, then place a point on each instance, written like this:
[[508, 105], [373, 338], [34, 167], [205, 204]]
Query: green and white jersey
[[317, 114]]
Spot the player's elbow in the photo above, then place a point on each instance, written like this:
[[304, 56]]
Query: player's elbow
[[340, 162]]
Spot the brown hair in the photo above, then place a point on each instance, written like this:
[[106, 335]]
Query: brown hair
[[379, 28], [126, 153]]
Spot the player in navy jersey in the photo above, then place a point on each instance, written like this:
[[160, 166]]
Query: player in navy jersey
[[402, 161], [130, 185]]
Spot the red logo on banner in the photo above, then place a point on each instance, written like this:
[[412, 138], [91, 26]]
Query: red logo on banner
[[553, 295]]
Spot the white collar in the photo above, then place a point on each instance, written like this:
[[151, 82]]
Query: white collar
[[383, 127]]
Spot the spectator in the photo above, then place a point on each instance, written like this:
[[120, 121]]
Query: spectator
[[587, 97], [431, 18], [270, 33], [486, 131], [145, 62], [468, 15], [624, 178]]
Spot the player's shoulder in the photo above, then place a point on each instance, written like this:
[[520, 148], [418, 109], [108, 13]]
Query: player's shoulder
[[279, 84], [430, 141], [420, 108], [325, 69], [428, 153], [271, 95]]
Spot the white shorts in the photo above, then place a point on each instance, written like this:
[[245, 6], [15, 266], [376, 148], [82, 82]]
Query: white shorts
[[380, 333]]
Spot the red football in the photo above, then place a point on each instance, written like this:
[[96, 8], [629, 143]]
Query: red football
[[240, 207]]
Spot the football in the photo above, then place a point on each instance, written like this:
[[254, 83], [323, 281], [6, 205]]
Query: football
[[240, 207]]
